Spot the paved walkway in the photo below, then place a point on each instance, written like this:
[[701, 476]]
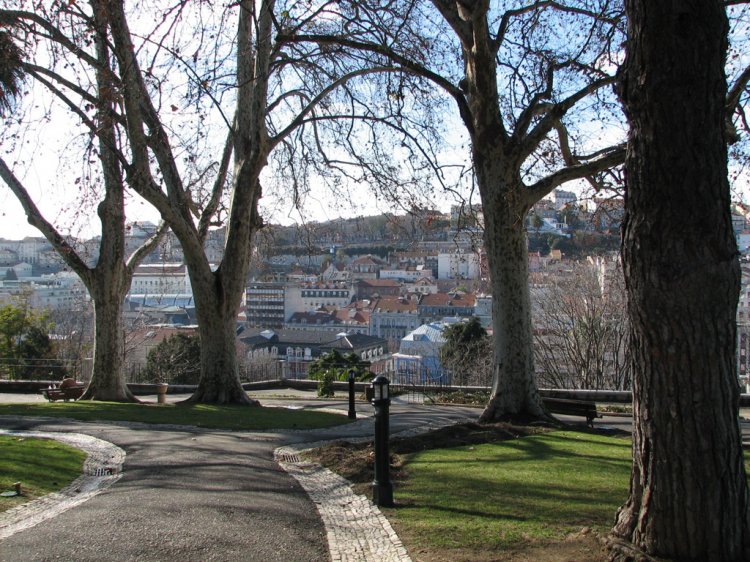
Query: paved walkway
[[189, 494]]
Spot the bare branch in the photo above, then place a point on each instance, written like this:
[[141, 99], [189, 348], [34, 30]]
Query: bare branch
[[218, 188], [35, 218], [73, 106], [604, 161], [300, 118], [449, 10], [733, 102], [505, 20], [146, 248], [571, 159], [524, 120], [19, 17], [555, 112], [406, 64], [141, 112]]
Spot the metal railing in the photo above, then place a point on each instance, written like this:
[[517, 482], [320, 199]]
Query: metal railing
[[139, 373], [20, 368]]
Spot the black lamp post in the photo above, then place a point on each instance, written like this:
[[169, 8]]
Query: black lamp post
[[352, 410], [382, 487]]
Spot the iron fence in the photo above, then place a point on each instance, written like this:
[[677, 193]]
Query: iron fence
[[20, 368]]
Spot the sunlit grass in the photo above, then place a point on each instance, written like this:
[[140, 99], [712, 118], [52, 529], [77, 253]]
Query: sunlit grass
[[41, 466], [496, 496], [200, 415]]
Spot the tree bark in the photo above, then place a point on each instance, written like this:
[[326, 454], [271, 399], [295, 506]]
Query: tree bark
[[514, 392], [688, 494], [217, 321], [107, 382]]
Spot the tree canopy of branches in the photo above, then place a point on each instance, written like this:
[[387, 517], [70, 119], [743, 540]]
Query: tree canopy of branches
[[171, 92], [688, 489]]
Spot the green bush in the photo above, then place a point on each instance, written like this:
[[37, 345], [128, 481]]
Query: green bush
[[339, 367], [175, 360], [325, 385]]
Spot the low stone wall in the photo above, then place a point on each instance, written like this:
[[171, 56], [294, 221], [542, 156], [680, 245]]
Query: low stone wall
[[608, 396]]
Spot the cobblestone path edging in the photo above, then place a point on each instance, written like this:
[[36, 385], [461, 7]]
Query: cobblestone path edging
[[357, 531], [101, 469]]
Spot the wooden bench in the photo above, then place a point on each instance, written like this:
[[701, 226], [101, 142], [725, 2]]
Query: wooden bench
[[73, 392], [571, 407]]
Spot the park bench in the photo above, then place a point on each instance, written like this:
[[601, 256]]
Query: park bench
[[571, 407], [73, 392]]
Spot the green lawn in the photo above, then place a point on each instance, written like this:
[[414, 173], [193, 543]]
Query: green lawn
[[41, 465], [200, 415], [494, 497]]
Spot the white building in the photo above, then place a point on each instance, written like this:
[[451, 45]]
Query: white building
[[161, 279], [483, 309], [562, 198], [408, 275], [51, 292], [459, 265], [27, 250], [309, 297], [418, 358]]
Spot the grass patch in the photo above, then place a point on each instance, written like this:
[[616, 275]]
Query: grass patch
[[493, 497], [41, 465], [497, 492], [200, 415]]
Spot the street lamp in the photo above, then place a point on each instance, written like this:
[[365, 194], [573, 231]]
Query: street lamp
[[382, 487], [352, 411]]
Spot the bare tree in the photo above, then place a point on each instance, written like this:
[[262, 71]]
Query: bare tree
[[581, 329], [688, 489], [267, 97], [108, 281], [519, 76]]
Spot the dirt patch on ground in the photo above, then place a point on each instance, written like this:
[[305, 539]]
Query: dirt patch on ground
[[355, 462]]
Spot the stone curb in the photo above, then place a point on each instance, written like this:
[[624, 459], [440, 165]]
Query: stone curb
[[101, 469]]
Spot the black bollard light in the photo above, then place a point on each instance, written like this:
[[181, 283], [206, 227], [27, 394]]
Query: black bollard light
[[382, 487], [352, 410]]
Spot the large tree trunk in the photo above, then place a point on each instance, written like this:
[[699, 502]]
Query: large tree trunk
[[514, 393], [107, 382], [219, 382], [688, 495], [217, 324]]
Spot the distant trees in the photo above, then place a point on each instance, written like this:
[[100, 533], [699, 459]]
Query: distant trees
[[581, 328], [333, 366], [340, 366], [25, 347], [467, 353]]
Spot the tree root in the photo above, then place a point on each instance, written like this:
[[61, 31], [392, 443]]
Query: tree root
[[621, 550]]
